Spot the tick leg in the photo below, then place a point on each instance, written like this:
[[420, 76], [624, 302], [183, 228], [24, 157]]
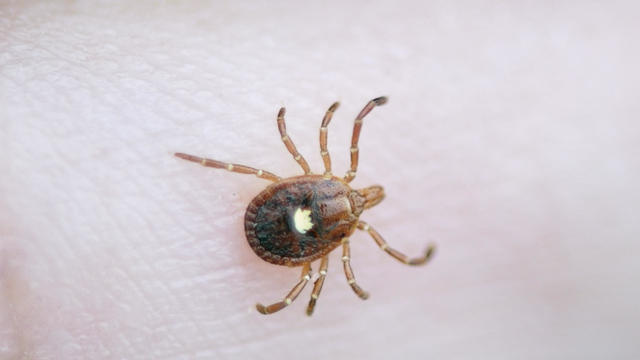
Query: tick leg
[[231, 167], [317, 285], [292, 295], [289, 144], [357, 125], [323, 138], [346, 257], [396, 254]]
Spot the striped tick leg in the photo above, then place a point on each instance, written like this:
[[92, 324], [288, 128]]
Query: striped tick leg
[[396, 254], [323, 138], [231, 167], [289, 144], [346, 257], [317, 285], [357, 125], [292, 295]]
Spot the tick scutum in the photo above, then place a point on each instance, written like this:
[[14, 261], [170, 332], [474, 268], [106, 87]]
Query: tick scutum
[[300, 219]]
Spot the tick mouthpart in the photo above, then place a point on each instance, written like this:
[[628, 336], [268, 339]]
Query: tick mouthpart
[[372, 195]]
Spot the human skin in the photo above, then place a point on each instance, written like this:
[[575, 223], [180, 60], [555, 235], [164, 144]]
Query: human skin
[[511, 140]]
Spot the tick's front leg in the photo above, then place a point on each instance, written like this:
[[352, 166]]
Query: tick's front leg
[[395, 253]]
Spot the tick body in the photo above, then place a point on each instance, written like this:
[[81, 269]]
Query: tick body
[[301, 219]]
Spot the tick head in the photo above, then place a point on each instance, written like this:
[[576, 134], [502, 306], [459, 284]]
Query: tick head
[[371, 195]]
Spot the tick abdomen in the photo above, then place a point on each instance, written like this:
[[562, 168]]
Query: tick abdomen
[[300, 219]]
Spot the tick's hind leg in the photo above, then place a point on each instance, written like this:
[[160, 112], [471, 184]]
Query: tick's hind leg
[[292, 295], [355, 137], [351, 279], [289, 144], [317, 286], [396, 254], [231, 167]]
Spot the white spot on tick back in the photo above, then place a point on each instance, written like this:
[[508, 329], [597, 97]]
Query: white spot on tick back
[[302, 220]]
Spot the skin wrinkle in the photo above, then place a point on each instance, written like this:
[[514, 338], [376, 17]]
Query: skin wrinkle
[[26, 350], [165, 288], [193, 320], [169, 295], [76, 254], [89, 71], [123, 233], [15, 344]]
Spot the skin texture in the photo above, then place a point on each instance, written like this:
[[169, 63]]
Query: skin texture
[[510, 139]]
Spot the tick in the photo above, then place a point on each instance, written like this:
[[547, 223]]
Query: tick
[[300, 219]]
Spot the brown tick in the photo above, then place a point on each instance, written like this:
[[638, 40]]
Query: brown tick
[[299, 219]]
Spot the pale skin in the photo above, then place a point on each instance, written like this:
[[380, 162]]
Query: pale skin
[[510, 139]]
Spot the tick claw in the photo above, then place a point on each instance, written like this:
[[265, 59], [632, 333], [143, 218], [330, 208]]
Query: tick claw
[[430, 251], [423, 260], [312, 304], [261, 309]]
